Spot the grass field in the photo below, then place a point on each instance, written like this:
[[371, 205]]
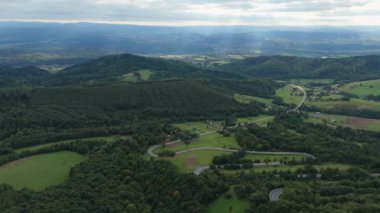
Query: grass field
[[211, 140], [354, 103], [188, 161], [346, 121], [223, 205], [286, 94], [142, 75], [341, 167], [245, 99], [260, 120], [200, 127], [39, 171], [362, 88], [41, 146]]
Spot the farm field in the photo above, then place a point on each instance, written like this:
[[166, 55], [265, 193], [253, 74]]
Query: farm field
[[39, 171], [362, 88], [286, 94], [188, 161], [200, 127], [341, 167], [41, 146], [210, 140], [354, 103], [346, 121], [223, 204]]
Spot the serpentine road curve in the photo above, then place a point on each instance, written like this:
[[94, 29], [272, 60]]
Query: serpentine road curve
[[199, 170], [275, 194]]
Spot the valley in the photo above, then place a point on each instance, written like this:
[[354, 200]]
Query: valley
[[213, 138]]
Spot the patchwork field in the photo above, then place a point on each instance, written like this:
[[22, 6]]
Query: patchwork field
[[39, 171], [286, 94], [362, 88], [346, 121], [227, 205]]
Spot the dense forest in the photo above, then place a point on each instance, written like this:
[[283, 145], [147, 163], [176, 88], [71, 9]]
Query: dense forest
[[77, 108]]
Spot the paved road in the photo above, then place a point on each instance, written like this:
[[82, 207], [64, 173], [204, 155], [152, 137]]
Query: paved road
[[151, 149], [303, 99], [249, 152], [275, 194]]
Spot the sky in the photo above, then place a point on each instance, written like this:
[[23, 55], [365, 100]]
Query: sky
[[197, 12]]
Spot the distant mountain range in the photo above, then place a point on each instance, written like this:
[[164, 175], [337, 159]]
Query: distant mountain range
[[131, 68], [23, 44]]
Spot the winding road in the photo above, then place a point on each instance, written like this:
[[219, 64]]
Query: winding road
[[200, 169], [275, 194], [303, 98]]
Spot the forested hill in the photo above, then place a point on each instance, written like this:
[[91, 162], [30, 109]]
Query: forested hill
[[117, 67], [15, 77], [110, 105], [286, 67]]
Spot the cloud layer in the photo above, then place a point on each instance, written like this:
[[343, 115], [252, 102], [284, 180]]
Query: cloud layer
[[197, 12]]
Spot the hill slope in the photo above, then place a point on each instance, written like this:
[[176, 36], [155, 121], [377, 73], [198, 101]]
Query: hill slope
[[114, 67], [25, 76], [283, 67]]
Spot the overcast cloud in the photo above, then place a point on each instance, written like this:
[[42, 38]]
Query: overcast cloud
[[197, 12]]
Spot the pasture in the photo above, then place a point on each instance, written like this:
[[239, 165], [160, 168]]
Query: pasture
[[210, 140], [288, 95], [362, 88], [41, 146], [39, 171], [345, 121], [199, 127]]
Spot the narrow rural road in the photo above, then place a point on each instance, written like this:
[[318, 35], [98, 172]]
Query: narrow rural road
[[275, 194], [303, 99]]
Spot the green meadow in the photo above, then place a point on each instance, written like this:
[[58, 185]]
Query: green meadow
[[362, 88], [39, 171]]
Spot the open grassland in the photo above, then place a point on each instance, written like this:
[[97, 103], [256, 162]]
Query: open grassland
[[41, 146], [285, 168], [286, 94], [354, 103], [260, 120], [245, 99], [346, 121], [200, 127], [362, 88], [142, 75], [188, 161], [39, 171], [210, 140], [224, 205]]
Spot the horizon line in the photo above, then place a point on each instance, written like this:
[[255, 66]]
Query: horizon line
[[171, 24]]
